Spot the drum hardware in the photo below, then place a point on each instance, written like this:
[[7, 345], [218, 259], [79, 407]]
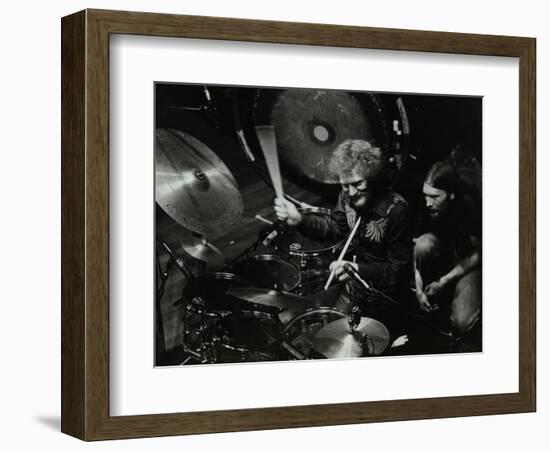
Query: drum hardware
[[293, 351], [163, 276], [206, 105], [180, 264], [194, 186], [265, 236], [202, 334]]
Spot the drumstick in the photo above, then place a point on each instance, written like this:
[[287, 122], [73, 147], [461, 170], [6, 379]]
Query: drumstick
[[266, 136], [263, 219], [344, 250]]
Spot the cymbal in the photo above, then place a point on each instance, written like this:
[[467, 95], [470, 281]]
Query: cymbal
[[310, 124], [270, 297], [336, 340], [194, 186], [198, 247]]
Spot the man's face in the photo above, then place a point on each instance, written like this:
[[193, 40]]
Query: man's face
[[360, 191], [437, 201]]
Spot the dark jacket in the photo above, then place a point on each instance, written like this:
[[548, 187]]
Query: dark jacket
[[383, 242]]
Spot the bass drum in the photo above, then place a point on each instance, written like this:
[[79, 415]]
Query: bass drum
[[311, 123]]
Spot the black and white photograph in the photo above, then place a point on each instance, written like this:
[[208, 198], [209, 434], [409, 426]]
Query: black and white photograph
[[298, 224]]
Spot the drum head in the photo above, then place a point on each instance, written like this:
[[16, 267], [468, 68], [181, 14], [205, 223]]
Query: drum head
[[268, 272]]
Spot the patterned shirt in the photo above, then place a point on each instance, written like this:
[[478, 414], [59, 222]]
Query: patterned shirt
[[383, 242]]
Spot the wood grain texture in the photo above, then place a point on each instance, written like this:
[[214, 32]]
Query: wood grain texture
[[72, 224], [85, 224]]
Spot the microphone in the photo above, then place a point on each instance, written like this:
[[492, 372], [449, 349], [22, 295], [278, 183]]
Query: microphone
[[350, 270], [277, 228]]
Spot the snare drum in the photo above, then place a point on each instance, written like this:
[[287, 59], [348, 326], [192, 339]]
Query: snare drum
[[308, 252], [301, 330], [249, 336], [268, 272]]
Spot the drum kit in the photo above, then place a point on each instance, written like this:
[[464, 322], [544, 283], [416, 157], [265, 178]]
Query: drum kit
[[260, 306]]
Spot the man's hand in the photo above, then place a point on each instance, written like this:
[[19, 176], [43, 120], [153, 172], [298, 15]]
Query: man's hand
[[338, 267], [287, 212], [424, 303], [434, 289]]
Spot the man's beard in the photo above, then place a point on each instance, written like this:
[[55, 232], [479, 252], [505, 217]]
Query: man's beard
[[434, 214], [439, 216], [362, 203]]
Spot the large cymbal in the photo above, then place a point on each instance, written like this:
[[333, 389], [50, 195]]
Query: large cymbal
[[336, 340], [310, 124], [267, 297], [194, 186]]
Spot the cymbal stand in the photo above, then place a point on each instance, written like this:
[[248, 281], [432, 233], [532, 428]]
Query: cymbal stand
[[163, 275], [354, 319], [180, 264], [246, 251]]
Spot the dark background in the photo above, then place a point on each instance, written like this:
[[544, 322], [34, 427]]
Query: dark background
[[212, 114]]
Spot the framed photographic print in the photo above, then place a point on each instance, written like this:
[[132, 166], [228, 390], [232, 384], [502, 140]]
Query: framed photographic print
[[270, 224]]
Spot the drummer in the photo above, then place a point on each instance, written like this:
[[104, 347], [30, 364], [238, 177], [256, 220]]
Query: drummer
[[383, 242]]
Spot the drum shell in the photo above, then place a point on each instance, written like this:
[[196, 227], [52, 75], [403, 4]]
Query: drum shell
[[249, 336], [313, 257], [268, 272]]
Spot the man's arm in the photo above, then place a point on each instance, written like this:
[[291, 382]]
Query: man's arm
[[319, 227], [421, 296], [466, 265]]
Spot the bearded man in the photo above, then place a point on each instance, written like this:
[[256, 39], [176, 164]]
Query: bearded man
[[447, 257], [382, 245]]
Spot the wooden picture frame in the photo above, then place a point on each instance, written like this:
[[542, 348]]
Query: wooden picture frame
[[85, 224]]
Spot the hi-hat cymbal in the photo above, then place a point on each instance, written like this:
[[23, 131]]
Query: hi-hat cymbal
[[270, 297], [194, 186], [199, 247], [337, 340]]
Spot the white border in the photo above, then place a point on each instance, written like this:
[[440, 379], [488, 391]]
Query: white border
[[138, 388]]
